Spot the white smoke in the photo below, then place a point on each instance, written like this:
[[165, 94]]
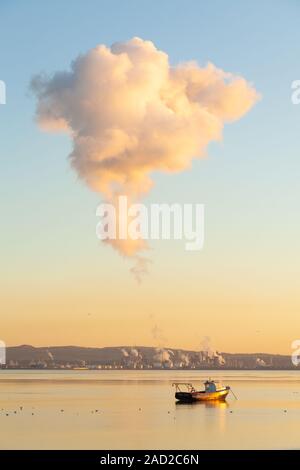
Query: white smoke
[[184, 360], [124, 352], [162, 358], [130, 113], [134, 352], [50, 355], [260, 362], [220, 359], [209, 353], [206, 347], [132, 357]]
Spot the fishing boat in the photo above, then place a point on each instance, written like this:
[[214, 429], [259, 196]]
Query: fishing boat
[[213, 390]]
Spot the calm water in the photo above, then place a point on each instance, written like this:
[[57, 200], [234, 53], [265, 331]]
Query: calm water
[[136, 409]]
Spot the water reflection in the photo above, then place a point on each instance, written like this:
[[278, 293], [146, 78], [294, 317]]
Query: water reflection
[[137, 409], [214, 404]]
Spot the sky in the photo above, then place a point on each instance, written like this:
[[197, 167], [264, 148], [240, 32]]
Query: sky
[[59, 285]]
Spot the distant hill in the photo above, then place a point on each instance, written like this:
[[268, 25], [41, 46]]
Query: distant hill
[[139, 357]]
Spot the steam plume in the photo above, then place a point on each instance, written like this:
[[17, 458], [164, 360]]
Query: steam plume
[[130, 113]]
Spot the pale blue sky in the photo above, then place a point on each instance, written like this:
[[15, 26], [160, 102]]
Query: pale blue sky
[[249, 183]]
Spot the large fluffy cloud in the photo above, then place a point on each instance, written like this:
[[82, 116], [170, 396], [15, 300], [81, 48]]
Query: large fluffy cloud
[[129, 112]]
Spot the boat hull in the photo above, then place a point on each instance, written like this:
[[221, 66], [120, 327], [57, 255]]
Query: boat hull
[[202, 396]]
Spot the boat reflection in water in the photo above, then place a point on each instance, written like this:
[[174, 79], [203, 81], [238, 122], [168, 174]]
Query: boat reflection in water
[[209, 404], [213, 392]]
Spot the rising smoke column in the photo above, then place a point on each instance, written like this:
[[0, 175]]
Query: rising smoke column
[[208, 353], [130, 113]]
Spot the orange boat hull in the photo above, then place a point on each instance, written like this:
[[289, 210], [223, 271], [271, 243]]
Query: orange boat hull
[[202, 396]]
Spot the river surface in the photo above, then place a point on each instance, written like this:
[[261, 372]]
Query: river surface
[[137, 410]]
